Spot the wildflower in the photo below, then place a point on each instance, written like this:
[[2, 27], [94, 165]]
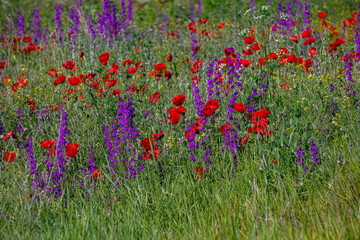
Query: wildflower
[[103, 58], [179, 100], [9, 157], [200, 172], [69, 65]]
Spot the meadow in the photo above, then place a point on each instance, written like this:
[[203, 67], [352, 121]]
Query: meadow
[[179, 119]]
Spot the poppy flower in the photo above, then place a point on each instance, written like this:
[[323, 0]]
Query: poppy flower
[[285, 86], [146, 143], [81, 54], [74, 81], [240, 107], [9, 157], [225, 128], [139, 64], [195, 79], [174, 118], [262, 61], [95, 174], [339, 41], [262, 113], [309, 41], [255, 47], [149, 154], [47, 143], [10, 134], [244, 139], [27, 39], [202, 21], [127, 62], [131, 70], [211, 107], [220, 26], [249, 40], [116, 92], [104, 58], [72, 149], [160, 66], [157, 136], [154, 97], [200, 172], [179, 100], [294, 39], [247, 52], [306, 33], [169, 58], [322, 14], [111, 83], [52, 72], [3, 64], [228, 51], [245, 62], [59, 80], [167, 75], [181, 110], [69, 65], [312, 51]]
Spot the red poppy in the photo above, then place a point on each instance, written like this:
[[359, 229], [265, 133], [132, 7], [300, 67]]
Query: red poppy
[[285, 86], [10, 134], [74, 81], [111, 83], [9, 157], [306, 33], [309, 41], [157, 136], [221, 25], [179, 100], [131, 70], [247, 52], [339, 41], [225, 128], [312, 51], [104, 58], [81, 54], [174, 117], [69, 65], [59, 80], [139, 64], [27, 39], [202, 21], [148, 154], [154, 97], [72, 149], [181, 110], [3, 64], [200, 173], [52, 72], [244, 139], [294, 39], [240, 107], [322, 14], [169, 58], [95, 174], [47, 143], [211, 107], [127, 62], [249, 40], [160, 66], [255, 47], [262, 113], [195, 79], [245, 62], [262, 61], [116, 92], [146, 143], [167, 75]]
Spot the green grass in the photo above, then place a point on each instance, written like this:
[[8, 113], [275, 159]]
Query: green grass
[[254, 197]]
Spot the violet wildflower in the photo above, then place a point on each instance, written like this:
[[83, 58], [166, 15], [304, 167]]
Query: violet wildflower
[[74, 21], [58, 22], [36, 30], [21, 25], [300, 152], [32, 163], [130, 14], [314, 152]]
